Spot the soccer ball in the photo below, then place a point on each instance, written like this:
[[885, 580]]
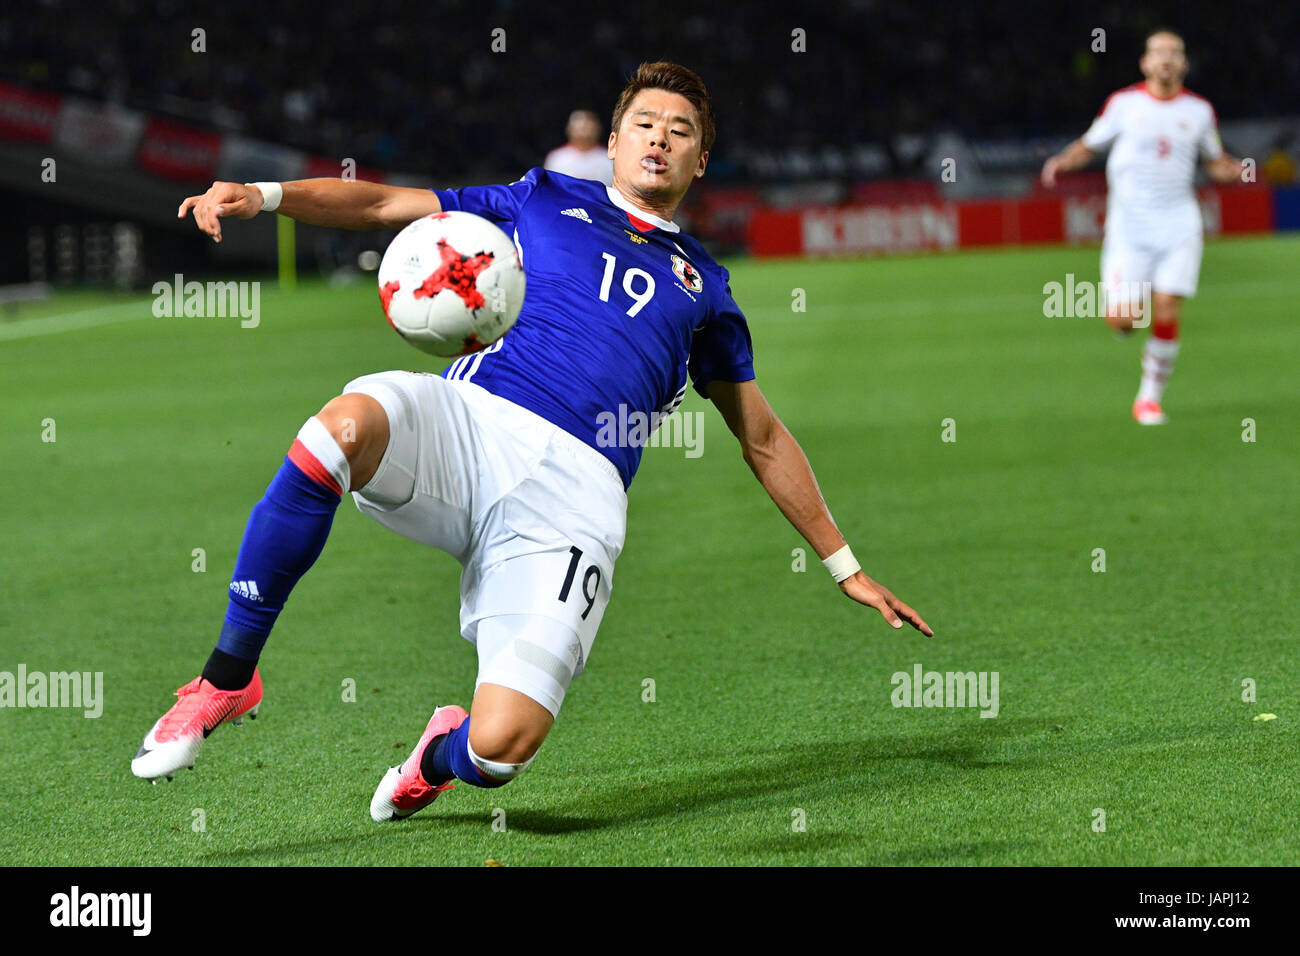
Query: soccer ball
[[451, 283]]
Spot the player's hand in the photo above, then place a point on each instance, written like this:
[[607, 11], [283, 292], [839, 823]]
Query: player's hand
[[1049, 171], [222, 199], [873, 594], [1227, 169]]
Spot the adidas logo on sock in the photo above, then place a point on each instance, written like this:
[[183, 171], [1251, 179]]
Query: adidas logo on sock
[[577, 213], [246, 589]]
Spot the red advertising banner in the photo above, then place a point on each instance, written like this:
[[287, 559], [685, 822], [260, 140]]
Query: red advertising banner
[[854, 230], [1246, 208], [27, 116], [179, 152], [872, 229], [723, 214], [997, 222], [775, 232]]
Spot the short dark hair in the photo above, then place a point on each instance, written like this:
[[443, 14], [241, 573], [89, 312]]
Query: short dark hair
[[671, 78], [1156, 32]]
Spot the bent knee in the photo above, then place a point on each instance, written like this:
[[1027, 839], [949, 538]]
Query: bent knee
[[359, 424], [506, 742]]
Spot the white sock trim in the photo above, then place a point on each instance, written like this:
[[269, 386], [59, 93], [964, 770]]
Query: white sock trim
[[1166, 349], [316, 438], [496, 770]]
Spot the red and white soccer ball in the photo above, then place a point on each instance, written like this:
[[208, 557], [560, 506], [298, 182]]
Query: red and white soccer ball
[[451, 283]]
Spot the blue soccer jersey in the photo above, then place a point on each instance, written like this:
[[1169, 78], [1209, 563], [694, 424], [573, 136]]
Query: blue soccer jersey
[[620, 307]]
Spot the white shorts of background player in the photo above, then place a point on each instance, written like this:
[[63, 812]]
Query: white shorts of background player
[[1164, 260]]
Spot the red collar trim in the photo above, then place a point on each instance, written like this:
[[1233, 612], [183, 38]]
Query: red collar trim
[[640, 224]]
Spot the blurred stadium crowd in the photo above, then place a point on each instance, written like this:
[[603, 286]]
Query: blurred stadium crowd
[[418, 88]]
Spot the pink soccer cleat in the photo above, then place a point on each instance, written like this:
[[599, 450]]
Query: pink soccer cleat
[[404, 790], [1147, 412], [174, 741]]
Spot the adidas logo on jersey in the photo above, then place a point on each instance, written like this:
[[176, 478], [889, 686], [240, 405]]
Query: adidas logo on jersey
[[247, 589], [577, 213]]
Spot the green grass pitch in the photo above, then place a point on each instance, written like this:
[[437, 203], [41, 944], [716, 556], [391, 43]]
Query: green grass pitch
[[1120, 691]]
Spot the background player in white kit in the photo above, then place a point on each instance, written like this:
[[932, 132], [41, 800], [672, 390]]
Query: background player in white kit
[[584, 155], [496, 461], [1156, 130]]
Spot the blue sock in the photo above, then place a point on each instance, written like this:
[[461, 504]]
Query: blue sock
[[450, 758], [284, 537]]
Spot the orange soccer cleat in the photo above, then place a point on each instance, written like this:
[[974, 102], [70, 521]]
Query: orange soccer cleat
[[1148, 412], [174, 741], [404, 790]]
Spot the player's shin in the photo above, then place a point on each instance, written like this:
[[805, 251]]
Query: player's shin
[[285, 535], [1158, 357]]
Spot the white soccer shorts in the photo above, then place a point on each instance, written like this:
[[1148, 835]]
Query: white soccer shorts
[[1127, 263], [536, 518]]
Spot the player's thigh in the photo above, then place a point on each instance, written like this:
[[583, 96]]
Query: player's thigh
[[1126, 271], [1178, 270], [533, 656], [540, 573], [547, 549], [422, 487]]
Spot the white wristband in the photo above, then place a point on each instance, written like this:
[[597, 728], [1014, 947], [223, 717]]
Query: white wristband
[[842, 564], [272, 193]]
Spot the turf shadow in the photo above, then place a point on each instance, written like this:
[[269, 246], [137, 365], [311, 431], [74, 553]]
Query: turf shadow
[[714, 780], [767, 773]]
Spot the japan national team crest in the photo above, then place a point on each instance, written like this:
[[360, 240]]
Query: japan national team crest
[[687, 274]]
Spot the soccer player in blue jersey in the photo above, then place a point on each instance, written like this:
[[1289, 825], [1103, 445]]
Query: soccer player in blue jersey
[[505, 460]]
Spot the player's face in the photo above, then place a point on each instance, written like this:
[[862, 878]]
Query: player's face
[[584, 130], [1164, 61], [657, 148]]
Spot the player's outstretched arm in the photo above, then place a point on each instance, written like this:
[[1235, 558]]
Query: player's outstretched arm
[[340, 203], [1225, 169], [783, 470], [1074, 156]]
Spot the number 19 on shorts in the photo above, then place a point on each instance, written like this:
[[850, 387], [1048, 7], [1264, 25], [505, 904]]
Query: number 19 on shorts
[[590, 581]]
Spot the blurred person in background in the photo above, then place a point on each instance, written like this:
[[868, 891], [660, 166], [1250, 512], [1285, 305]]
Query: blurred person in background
[[583, 156], [1156, 132]]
